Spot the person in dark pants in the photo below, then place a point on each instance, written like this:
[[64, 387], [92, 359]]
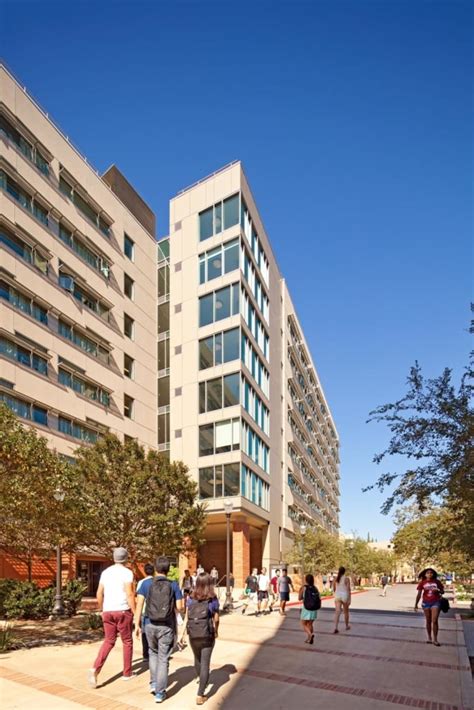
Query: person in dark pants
[[202, 624], [149, 572]]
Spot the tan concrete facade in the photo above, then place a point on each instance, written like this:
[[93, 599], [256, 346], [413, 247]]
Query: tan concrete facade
[[70, 364], [212, 288]]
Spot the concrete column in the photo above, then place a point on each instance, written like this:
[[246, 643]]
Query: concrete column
[[240, 550]]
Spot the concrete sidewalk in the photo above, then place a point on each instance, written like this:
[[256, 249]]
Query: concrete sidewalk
[[383, 661]]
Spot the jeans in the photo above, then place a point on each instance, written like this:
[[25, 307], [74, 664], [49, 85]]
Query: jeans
[[202, 650], [145, 651], [116, 622], [160, 642]]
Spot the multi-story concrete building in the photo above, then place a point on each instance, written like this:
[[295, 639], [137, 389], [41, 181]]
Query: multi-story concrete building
[[77, 286], [239, 398]]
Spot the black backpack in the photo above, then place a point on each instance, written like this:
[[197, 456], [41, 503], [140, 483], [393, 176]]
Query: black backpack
[[199, 621], [160, 601], [311, 599]]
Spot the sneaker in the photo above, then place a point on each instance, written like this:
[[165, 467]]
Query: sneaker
[[92, 677], [160, 697], [152, 689], [129, 677]]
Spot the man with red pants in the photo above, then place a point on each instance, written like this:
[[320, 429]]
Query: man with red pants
[[116, 600]]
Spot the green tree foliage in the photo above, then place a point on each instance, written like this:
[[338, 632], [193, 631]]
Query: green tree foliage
[[32, 520], [324, 552], [136, 499], [432, 539], [432, 428]]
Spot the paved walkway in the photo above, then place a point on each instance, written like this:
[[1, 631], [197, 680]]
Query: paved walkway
[[382, 662]]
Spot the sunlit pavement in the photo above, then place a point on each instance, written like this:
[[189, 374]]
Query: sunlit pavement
[[383, 661]]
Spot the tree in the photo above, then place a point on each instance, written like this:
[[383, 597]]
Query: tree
[[32, 520], [433, 427], [431, 539], [136, 499], [323, 551]]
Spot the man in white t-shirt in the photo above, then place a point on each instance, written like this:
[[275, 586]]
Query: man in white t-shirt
[[263, 581], [116, 600]]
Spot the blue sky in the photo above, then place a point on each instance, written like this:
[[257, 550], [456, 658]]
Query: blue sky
[[353, 121]]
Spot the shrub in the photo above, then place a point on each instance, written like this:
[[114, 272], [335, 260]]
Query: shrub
[[173, 574], [7, 640], [25, 600], [72, 596]]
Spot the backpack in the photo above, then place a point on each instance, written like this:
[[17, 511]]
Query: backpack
[[199, 622], [311, 599], [160, 601]]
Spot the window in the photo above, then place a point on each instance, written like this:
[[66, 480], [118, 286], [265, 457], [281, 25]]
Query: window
[[219, 261], [163, 428], [83, 386], [128, 366], [255, 284], [163, 281], [255, 366], [219, 305], [83, 205], [255, 407], [128, 326], [254, 242], [128, 286], [76, 430], [97, 262], [26, 252], [254, 447], [255, 325], [26, 410], [254, 488], [219, 437], [219, 481], [24, 356], [163, 250], [219, 348], [163, 391], [83, 342], [23, 303], [30, 152], [210, 220], [81, 294], [218, 393], [23, 198], [163, 317], [128, 403], [163, 354], [129, 247]]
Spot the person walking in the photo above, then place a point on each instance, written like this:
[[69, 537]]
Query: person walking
[[116, 600], [202, 624], [309, 595], [284, 584], [187, 584], [149, 572], [384, 583], [163, 601], [274, 589], [263, 582], [325, 581], [214, 576], [342, 598], [429, 590], [251, 588]]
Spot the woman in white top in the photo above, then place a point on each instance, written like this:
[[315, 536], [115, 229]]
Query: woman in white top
[[342, 598]]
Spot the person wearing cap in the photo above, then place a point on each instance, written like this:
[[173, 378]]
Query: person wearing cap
[[116, 600]]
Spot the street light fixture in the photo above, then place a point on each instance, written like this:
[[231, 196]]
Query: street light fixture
[[228, 506], [58, 609], [303, 528]]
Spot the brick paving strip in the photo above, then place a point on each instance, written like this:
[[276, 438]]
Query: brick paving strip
[[99, 702], [84, 698], [345, 654]]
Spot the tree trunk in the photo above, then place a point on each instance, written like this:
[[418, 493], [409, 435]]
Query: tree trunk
[[29, 563]]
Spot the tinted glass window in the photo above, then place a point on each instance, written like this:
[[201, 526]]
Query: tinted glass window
[[231, 211], [231, 479], [222, 303], [206, 309], [205, 353], [214, 394], [231, 389], [231, 345], [205, 224], [206, 439], [206, 482]]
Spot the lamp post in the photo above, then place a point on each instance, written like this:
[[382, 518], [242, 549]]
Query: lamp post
[[303, 529], [228, 606], [58, 609]]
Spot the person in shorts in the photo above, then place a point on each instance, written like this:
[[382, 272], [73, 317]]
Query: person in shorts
[[274, 589], [308, 616], [251, 588], [430, 590], [263, 581], [284, 585]]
